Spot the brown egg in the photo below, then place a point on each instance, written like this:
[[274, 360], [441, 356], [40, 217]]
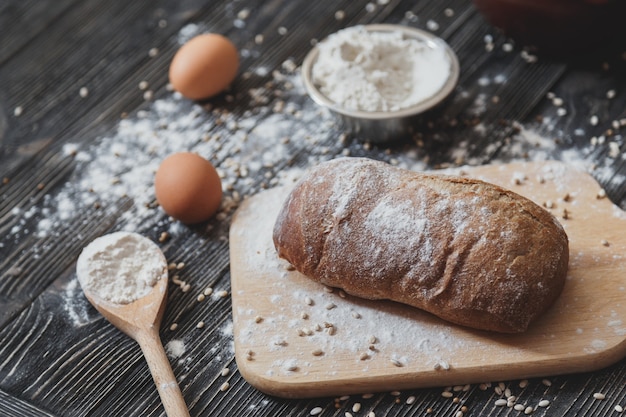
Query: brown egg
[[204, 66], [187, 187]]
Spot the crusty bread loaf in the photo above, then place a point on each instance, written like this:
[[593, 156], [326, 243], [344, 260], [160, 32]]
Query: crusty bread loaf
[[465, 250]]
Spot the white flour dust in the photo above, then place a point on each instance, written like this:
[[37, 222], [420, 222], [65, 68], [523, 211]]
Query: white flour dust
[[378, 71]]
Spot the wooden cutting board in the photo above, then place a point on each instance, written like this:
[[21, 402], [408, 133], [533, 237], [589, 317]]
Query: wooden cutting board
[[296, 338]]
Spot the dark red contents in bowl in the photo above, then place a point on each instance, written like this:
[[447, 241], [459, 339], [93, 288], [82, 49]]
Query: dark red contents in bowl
[[559, 26]]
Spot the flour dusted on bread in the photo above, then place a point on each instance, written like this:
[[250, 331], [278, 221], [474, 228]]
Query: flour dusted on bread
[[467, 251]]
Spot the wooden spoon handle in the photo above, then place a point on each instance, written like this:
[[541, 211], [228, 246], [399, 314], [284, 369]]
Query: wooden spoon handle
[[164, 378]]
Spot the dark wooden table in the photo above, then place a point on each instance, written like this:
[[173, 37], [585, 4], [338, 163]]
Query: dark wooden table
[[85, 106]]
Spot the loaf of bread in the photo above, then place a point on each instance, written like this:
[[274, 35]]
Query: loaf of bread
[[470, 252]]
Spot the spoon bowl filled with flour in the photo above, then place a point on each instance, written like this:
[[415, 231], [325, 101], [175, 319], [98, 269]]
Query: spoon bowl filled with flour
[[124, 276], [378, 78]]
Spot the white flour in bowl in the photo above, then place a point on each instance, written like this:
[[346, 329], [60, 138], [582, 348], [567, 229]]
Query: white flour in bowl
[[120, 267], [378, 71]]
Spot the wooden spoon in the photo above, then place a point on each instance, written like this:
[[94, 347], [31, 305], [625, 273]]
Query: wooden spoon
[[141, 320]]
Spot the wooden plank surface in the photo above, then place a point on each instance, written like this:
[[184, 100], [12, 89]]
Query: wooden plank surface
[[57, 354], [583, 331]]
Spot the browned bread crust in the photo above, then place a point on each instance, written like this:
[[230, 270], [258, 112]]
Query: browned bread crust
[[465, 250]]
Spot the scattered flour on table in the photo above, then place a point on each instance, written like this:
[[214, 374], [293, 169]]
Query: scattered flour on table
[[75, 305], [175, 348], [378, 71]]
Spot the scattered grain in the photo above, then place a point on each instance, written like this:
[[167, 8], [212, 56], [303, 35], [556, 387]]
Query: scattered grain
[[200, 325], [201, 298], [528, 410], [619, 408], [519, 407], [224, 386], [208, 291], [317, 352], [501, 402], [410, 400], [316, 411], [448, 394], [544, 403], [599, 396], [546, 382], [396, 362], [83, 92], [174, 326], [225, 372], [356, 407]]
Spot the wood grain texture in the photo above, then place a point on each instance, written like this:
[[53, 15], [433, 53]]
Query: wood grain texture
[[59, 357]]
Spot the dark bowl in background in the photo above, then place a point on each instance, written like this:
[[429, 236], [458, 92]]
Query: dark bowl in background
[[561, 27]]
